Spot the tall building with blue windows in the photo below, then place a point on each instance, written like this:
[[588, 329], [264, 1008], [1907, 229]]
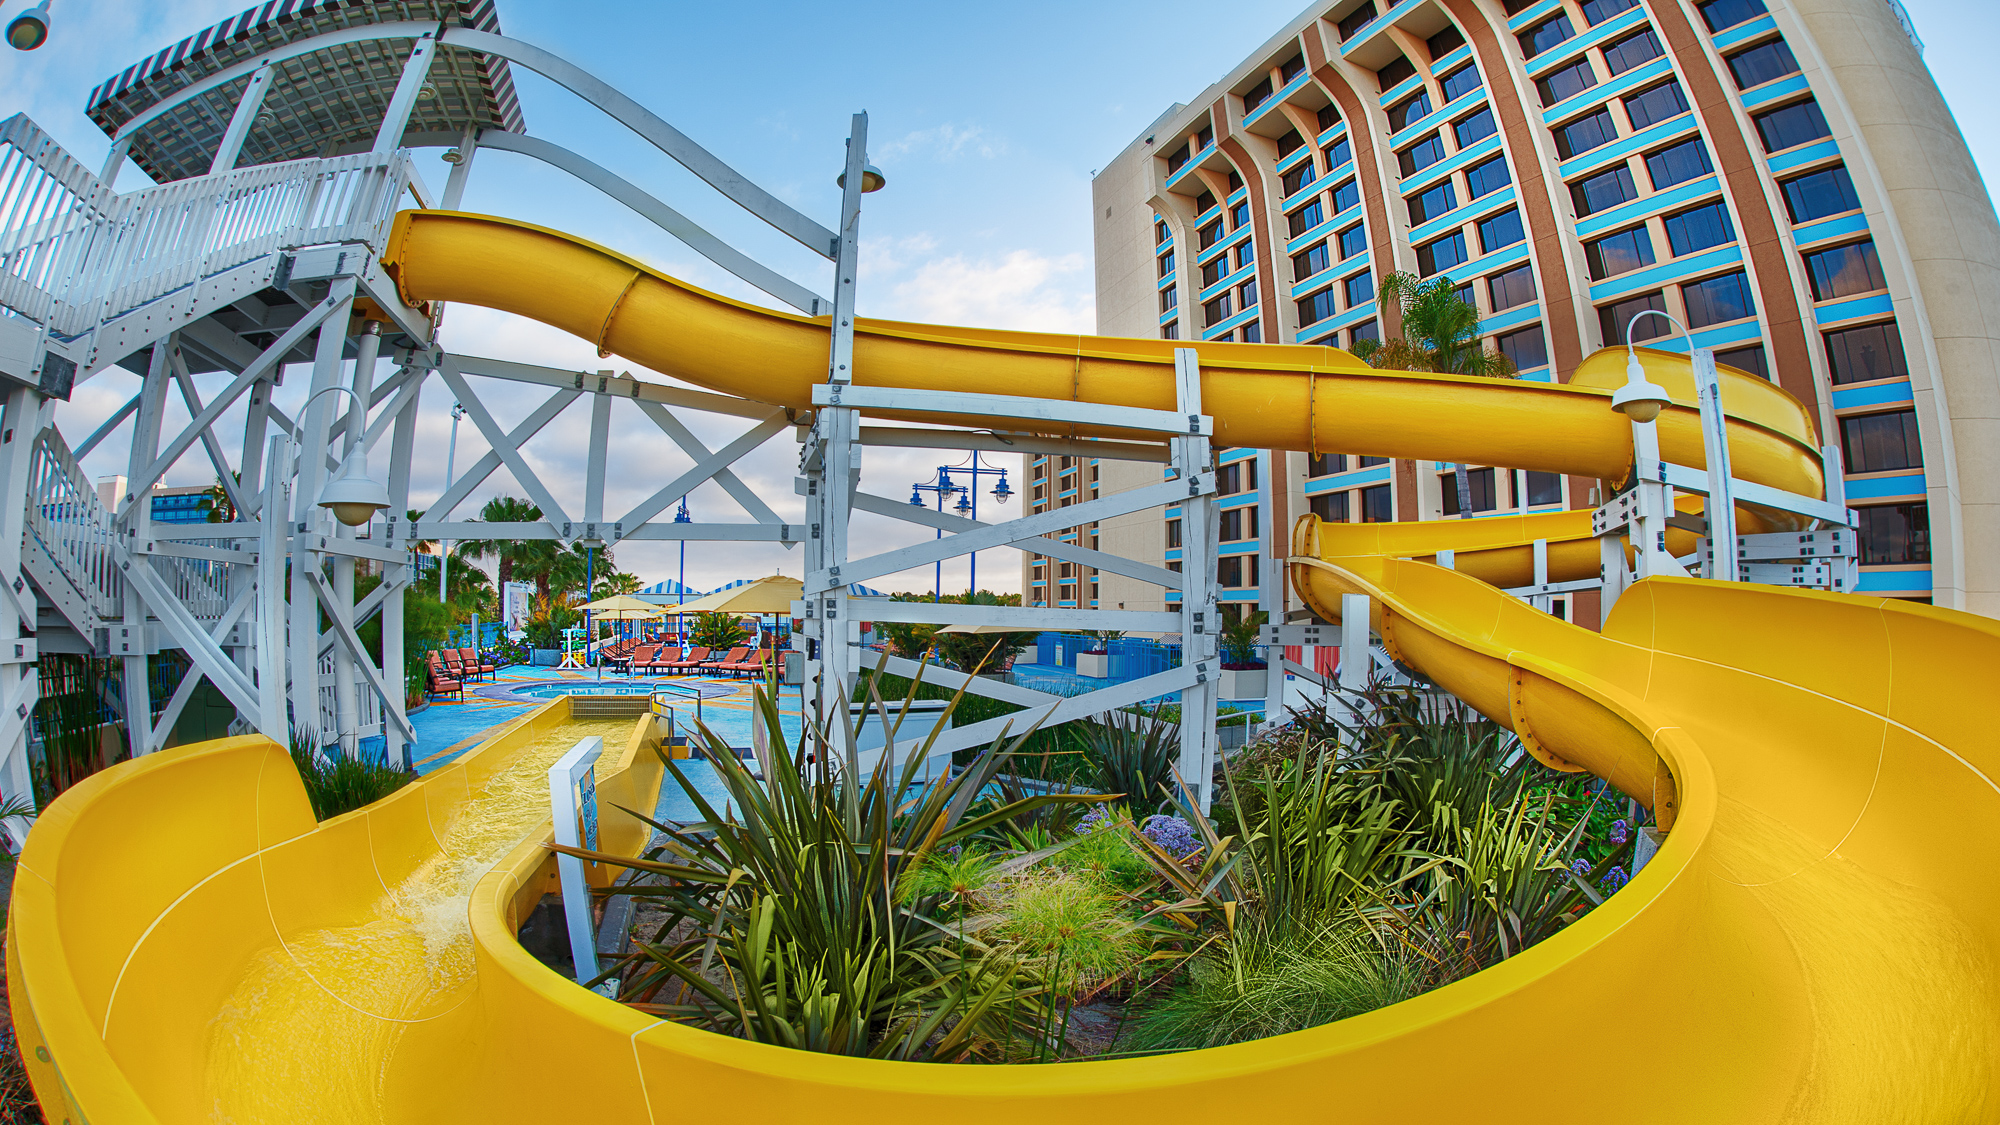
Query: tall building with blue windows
[[1782, 176]]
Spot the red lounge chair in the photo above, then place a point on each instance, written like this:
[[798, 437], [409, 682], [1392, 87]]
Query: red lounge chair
[[441, 684], [735, 656], [663, 657], [690, 662], [474, 660], [640, 659], [752, 667]]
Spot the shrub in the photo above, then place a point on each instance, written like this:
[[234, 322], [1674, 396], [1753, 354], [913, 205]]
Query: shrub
[[717, 631], [1132, 756], [336, 783]]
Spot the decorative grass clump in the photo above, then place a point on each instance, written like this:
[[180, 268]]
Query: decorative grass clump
[[336, 783]]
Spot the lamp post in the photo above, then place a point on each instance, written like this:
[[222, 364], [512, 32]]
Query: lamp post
[[967, 506], [352, 496], [450, 456], [1641, 400], [681, 593]]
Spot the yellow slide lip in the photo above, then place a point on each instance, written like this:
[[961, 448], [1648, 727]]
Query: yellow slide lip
[[1268, 396]]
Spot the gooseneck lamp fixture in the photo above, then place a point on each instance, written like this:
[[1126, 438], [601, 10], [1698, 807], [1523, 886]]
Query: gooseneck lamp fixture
[[30, 29], [352, 496]]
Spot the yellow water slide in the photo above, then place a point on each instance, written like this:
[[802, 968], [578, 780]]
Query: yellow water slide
[[1814, 941]]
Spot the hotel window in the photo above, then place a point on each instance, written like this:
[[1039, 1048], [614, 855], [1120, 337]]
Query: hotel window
[[1750, 359], [1235, 477], [1474, 127], [1176, 159], [1511, 289], [1421, 155], [1169, 298], [1501, 231], [1171, 330], [1345, 195], [1844, 271], [1295, 180], [1252, 333], [1603, 191], [1255, 96], [1309, 262], [1459, 82], [1371, 462], [1325, 464], [1239, 215], [1330, 507], [1678, 164], [1291, 68], [1718, 300], [1893, 534], [1544, 488], [1632, 51], [1236, 571], [1210, 234], [1791, 126], [1479, 482], [1444, 42], [1239, 523], [1173, 535], [1214, 270], [1442, 254], [1204, 138], [1166, 263], [1867, 353], [1544, 35], [1829, 191], [1585, 133], [1399, 71], [1614, 319], [1353, 240], [1597, 11], [1490, 175], [1160, 231], [1699, 229], [1428, 205], [1526, 349], [1242, 252], [1650, 107], [1623, 252], [1337, 153], [1216, 311], [1366, 330], [1235, 181], [1352, 23], [1359, 289], [1378, 504], [1881, 443], [1721, 15], [1766, 62], [1566, 82], [1304, 219], [1516, 7], [1246, 294], [1329, 116], [1317, 307], [1409, 110], [1289, 144], [1204, 203]]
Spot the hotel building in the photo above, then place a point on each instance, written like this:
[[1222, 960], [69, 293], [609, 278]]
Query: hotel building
[[1782, 176]]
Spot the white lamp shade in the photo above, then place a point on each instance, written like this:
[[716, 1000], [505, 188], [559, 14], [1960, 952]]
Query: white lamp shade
[[351, 495], [1640, 399]]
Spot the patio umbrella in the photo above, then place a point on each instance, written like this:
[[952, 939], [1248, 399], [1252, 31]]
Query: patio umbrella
[[770, 595], [984, 629], [622, 607]]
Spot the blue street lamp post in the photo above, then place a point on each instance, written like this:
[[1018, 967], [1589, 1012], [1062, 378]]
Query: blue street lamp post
[[967, 506]]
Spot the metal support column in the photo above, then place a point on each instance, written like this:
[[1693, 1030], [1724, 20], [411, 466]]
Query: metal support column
[[1200, 626], [240, 122], [20, 681], [128, 638], [1721, 502], [308, 522]]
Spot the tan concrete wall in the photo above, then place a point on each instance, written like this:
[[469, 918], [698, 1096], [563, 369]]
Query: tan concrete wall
[[1940, 213]]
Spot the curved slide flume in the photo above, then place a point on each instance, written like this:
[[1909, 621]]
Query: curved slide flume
[[1813, 942]]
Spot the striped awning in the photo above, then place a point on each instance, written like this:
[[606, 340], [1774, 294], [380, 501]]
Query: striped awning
[[322, 103]]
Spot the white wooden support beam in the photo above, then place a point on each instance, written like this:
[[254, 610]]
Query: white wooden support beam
[[1355, 662], [219, 460], [987, 441], [496, 438], [593, 472], [21, 408], [416, 70], [1721, 503], [705, 469], [240, 121], [359, 652], [1026, 618], [1053, 411], [621, 386], [475, 476], [269, 714], [1198, 618], [694, 447], [189, 635]]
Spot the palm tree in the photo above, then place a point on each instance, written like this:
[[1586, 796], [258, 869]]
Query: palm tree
[[510, 552], [618, 582], [1440, 333]]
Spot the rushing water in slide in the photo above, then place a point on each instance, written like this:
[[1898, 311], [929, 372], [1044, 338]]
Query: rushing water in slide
[[310, 1031]]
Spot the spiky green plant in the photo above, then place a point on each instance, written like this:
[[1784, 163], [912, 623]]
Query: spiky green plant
[[786, 918], [1132, 756], [336, 783]]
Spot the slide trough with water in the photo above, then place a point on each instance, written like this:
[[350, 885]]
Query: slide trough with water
[[1814, 942]]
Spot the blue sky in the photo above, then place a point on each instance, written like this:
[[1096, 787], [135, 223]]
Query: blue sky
[[988, 120]]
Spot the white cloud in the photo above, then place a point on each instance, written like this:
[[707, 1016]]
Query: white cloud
[[1021, 289], [942, 142]]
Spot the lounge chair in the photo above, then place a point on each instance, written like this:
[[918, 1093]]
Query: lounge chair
[[486, 666], [691, 662], [441, 684], [662, 658], [754, 666], [735, 656]]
